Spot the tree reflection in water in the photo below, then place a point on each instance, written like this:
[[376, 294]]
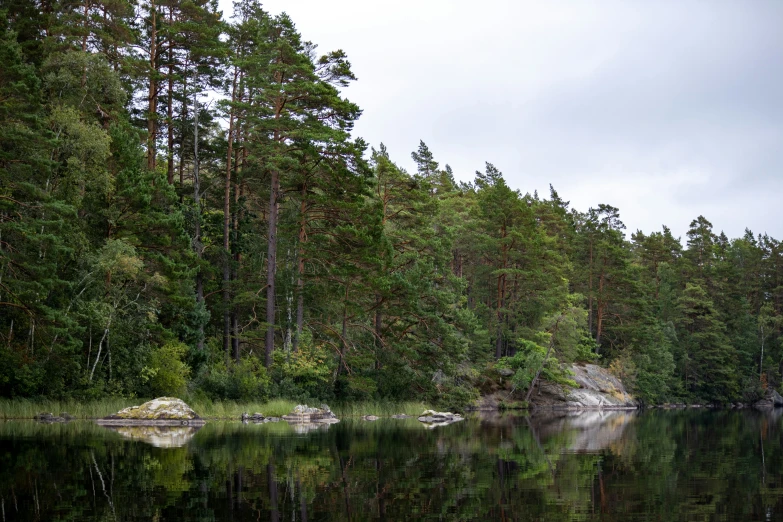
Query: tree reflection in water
[[656, 465]]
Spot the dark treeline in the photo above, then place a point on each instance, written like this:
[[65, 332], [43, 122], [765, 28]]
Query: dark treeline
[[183, 208]]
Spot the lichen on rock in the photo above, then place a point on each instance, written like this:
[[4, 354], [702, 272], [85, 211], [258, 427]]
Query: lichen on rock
[[160, 410], [433, 419], [304, 414]]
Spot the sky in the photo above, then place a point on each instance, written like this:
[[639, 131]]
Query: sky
[[667, 110]]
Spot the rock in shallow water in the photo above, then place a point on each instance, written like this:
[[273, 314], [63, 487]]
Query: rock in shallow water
[[160, 411], [434, 418], [48, 418], [304, 414]]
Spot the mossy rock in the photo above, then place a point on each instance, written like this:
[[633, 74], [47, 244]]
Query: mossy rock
[[168, 410]]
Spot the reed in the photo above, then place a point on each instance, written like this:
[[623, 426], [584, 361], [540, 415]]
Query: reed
[[379, 408], [222, 410], [230, 410], [27, 409]]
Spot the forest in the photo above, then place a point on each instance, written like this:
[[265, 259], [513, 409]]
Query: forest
[[185, 210]]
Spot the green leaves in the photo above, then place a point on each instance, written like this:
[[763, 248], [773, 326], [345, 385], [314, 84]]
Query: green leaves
[[377, 282]]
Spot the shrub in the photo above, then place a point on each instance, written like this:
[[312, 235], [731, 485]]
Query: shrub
[[244, 381], [527, 361], [305, 374], [166, 373]]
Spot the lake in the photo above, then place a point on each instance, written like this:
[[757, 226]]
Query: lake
[[651, 465]]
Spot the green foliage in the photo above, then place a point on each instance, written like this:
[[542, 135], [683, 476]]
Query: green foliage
[[167, 373], [122, 273], [304, 375], [378, 408], [246, 381], [526, 363]]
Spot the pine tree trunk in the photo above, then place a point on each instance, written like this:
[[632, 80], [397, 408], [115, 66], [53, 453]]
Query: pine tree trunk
[[241, 150], [344, 328], [197, 236], [601, 309], [183, 118], [170, 108], [300, 270], [235, 269], [501, 296], [378, 328], [271, 252], [590, 292], [226, 229], [152, 97], [271, 260]]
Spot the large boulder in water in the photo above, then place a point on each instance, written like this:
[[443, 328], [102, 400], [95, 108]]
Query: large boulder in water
[[163, 411]]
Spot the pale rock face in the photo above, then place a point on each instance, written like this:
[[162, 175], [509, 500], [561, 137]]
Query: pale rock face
[[597, 389], [162, 408]]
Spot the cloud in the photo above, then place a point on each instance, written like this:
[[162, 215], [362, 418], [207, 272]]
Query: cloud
[[666, 110]]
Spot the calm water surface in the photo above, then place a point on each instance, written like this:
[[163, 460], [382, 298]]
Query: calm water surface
[[656, 465]]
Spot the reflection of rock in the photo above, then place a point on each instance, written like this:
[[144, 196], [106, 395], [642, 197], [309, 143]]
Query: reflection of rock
[[594, 430], [306, 427], [369, 417], [434, 419], [158, 436], [304, 414], [256, 417], [597, 389], [263, 420], [773, 415], [163, 411]]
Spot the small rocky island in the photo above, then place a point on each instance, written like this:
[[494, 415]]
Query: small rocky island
[[163, 411], [433, 419], [304, 414]]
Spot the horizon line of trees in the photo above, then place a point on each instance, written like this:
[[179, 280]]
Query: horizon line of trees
[[146, 247]]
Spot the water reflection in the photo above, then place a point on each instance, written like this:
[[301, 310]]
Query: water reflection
[[592, 431], [158, 436], [673, 465]]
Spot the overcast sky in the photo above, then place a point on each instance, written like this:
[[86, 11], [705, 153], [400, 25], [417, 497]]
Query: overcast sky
[[667, 110]]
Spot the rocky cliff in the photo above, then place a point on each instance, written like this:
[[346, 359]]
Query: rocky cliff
[[596, 389]]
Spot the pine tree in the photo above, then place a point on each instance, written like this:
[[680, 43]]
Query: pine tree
[[296, 108], [708, 362]]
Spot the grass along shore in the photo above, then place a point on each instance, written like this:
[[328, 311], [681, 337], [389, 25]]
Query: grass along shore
[[218, 410]]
